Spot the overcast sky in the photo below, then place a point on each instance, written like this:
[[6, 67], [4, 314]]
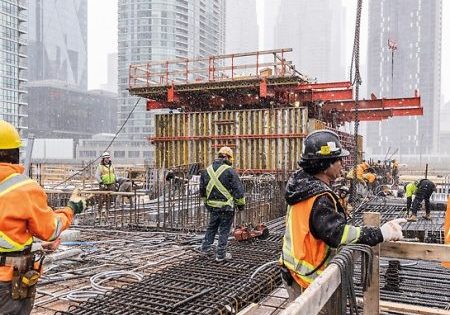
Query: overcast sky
[[102, 39]]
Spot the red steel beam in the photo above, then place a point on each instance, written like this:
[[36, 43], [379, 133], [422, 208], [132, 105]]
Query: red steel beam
[[325, 95], [374, 104], [323, 86]]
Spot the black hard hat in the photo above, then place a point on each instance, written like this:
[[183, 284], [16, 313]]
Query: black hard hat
[[322, 144]]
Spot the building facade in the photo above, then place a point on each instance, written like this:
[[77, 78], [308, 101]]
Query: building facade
[[153, 30], [13, 63], [314, 29], [58, 41], [242, 29], [59, 110], [413, 27]]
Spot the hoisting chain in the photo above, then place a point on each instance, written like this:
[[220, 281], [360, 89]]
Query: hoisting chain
[[356, 81]]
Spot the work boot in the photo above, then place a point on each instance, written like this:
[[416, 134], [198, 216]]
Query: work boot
[[226, 257], [199, 250], [427, 216], [412, 218]]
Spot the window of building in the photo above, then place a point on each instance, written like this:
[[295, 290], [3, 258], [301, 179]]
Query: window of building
[[119, 154]]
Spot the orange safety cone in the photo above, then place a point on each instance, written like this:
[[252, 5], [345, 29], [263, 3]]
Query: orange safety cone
[[447, 232]]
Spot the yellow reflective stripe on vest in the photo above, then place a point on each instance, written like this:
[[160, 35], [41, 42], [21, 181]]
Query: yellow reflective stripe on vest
[[108, 175], [350, 235], [215, 182], [300, 267], [9, 184]]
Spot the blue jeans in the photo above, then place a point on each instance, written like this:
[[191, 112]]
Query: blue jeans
[[219, 221]]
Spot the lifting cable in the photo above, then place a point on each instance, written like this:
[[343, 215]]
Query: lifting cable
[[106, 149], [355, 79]]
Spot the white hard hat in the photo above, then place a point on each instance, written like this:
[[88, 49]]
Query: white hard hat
[[106, 155]]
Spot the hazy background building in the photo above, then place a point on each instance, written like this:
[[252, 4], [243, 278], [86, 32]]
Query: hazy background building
[[242, 30], [314, 29], [13, 30], [111, 76], [415, 27], [57, 39], [270, 14], [60, 110], [159, 30]]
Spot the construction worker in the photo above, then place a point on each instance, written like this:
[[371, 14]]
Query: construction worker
[[395, 171], [422, 190], [24, 214], [315, 220], [360, 170], [106, 178], [343, 194], [221, 190]]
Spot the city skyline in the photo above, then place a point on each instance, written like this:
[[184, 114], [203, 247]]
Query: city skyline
[[102, 40]]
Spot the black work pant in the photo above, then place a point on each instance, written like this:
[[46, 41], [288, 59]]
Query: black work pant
[[408, 203], [220, 221], [8, 306], [417, 202]]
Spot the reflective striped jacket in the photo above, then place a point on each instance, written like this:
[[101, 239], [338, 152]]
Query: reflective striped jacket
[[220, 187], [24, 213]]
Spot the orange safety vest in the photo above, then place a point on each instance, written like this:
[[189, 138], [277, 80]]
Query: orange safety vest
[[447, 232], [24, 213], [304, 255]]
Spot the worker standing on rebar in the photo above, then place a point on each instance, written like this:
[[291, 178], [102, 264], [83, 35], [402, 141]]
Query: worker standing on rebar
[[106, 179], [422, 190], [24, 214], [315, 220], [221, 190]]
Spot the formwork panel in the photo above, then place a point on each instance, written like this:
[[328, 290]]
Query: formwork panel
[[264, 139]]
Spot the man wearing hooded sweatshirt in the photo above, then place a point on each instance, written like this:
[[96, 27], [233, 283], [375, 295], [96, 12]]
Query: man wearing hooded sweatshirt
[[316, 222]]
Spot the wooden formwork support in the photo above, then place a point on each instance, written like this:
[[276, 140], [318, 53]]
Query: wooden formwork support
[[314, 298], [269, 139]]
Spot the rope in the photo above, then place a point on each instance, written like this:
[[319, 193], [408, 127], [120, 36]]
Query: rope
[[345, 262], [355, 79]]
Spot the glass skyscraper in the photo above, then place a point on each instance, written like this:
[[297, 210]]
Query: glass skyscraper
[[155, 30], [57, 41], [13, 32]]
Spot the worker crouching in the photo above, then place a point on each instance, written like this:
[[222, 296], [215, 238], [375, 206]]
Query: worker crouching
[[315, 220], [24, 214], [221, 190]]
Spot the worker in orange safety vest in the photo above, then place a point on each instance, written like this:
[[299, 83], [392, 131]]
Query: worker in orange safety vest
[[24, 214], [315, 220]]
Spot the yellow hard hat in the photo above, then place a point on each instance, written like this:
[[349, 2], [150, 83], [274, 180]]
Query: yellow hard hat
[[226, 151], [9, 137]]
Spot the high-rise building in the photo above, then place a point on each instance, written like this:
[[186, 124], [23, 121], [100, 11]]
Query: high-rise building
[[413, 28], [314, 29], [111, 78], [241, 26], [13, 30], [58, 41], [271, 10], [154, 30]]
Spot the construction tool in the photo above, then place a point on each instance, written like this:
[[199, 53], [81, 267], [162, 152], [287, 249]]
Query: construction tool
[[247, 232]]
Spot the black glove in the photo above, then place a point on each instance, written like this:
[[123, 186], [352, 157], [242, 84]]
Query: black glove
[[240, 207]]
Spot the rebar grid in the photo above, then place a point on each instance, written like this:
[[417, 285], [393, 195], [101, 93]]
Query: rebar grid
[[198, 285]]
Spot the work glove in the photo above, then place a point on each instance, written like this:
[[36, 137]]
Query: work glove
[[76, 202], [392, 231], [101, 186], [240, 208]]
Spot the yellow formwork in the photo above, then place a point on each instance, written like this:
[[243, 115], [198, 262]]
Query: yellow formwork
[[263, 140]]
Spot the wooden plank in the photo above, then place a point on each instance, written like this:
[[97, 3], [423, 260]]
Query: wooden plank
[[411, 309], [317, 294], [407, 309], [372, 295], [423, 251]]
